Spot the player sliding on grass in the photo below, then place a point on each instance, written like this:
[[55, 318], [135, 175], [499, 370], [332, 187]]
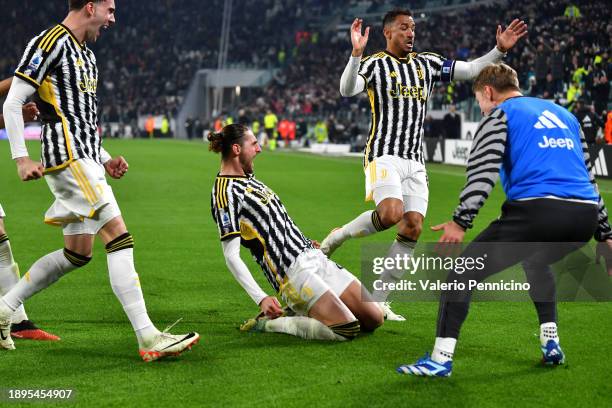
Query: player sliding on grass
[[59, 66], [328, 300], [399, 83], [540, 151]]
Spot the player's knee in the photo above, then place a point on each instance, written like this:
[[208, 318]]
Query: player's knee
[[390, 216], [414, 232], [348, 330], [373, 320], [76, 259], [411, 227]]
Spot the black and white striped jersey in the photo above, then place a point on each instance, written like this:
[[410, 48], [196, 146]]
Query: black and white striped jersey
[[398, 89], [483, 167], [65, 74], [245, 207]]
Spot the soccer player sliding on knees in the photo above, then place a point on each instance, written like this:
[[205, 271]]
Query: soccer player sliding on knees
[[326, 302]]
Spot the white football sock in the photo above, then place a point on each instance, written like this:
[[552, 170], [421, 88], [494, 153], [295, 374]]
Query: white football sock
[[9, 276], [42, 274], [126, 286], [362, 226], [444, 348], [393, 275], [6, 255], [548, 331], [304, 327]]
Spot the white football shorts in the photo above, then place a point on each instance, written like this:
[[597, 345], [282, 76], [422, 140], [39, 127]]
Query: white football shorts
[[309, 277], [84, 202], [394, 177]]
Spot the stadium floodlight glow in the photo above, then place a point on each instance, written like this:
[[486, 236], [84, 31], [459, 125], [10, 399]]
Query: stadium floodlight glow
[[238, 90]]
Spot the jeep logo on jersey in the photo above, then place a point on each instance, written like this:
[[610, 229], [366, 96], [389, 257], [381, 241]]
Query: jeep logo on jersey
[[88, 85], [553, 143], [405, 91]]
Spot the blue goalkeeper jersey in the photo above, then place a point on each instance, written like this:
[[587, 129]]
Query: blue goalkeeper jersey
[[544, 152]]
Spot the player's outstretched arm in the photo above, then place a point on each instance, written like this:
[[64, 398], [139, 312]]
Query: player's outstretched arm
[[231, 252], [351, 83], [506, 39]]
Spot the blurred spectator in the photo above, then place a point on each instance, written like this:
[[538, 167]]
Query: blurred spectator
[[600, 88], [452, 124], [189, 127], [589, 122], [270, 122], [608, 128]]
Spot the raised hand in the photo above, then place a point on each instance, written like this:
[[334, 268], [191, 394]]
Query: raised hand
[[359, 40], [507, 38]]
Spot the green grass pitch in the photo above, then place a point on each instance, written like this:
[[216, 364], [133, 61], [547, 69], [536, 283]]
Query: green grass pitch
[[165, 200]]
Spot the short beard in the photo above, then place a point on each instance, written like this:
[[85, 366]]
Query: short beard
[[246, 167]]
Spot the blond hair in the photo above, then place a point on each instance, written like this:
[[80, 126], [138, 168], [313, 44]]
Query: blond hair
[[500, 77]]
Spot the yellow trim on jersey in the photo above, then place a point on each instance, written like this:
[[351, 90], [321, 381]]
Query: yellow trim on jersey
[[58, 167], [229, 234], [224, 199], [46, 94], [372, 179], [72, 36], [373, 132], [54, 39], [45, 41], [217, 182], [221, 192], [399, 60], [248, 233], [27, 79]]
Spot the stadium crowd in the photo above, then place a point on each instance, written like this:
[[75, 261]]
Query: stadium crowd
[[147, 63]]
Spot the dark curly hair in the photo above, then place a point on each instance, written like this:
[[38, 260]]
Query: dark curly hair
[[223, 141]]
